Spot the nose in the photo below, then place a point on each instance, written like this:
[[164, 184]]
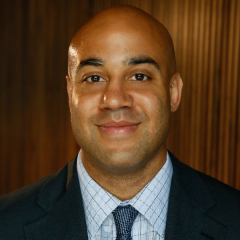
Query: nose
[[116, 95]]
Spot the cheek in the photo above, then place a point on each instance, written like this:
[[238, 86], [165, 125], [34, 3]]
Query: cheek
[[153, 102], [84, 103], [156, 106], [83, 108]]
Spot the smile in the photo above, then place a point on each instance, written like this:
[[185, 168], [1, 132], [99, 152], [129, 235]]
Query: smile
[[118, 128]]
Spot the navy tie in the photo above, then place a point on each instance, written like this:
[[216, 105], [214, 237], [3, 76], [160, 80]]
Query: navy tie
[[124, 218]]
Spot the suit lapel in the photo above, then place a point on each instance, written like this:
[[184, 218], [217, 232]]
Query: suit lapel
[[61, 200], [187, 218], [189, 204]]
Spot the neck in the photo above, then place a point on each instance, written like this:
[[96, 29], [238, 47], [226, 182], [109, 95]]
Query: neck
[[125, 185]]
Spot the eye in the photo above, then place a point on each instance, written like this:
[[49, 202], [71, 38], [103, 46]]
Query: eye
[[94, 78], [139, 77]]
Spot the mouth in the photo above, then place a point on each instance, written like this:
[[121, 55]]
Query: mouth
[[118, 128]]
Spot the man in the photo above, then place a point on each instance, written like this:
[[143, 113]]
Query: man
[[122, 86]]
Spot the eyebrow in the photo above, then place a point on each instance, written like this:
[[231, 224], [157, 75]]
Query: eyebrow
[[140, 60], [97, 62]]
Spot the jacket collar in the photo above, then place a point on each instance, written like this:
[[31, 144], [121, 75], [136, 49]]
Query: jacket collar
[[61, 200], [189, 205], [187, 218]]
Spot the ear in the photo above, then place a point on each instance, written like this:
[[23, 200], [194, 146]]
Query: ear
[[69, 90], [175, 91]]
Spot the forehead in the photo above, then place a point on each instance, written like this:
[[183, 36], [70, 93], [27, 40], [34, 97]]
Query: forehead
[[114, 40], [122, 38]]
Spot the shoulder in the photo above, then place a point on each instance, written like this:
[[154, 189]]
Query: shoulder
[[22, 196], [222, 192], [227, 199], [194, 178], [227, 207], [219, 189], [21, 207], [212, 197]]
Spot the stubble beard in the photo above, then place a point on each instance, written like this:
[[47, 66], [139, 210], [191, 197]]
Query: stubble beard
[[120, 161]]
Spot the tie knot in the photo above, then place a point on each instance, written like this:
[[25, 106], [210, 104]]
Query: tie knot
[[124, 218]]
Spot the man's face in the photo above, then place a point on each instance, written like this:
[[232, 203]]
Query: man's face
[[119, 98]]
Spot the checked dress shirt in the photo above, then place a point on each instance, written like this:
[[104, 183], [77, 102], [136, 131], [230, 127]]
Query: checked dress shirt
[[151, 203]]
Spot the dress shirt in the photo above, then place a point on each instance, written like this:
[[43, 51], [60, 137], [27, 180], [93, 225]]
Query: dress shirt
[[151, 203]]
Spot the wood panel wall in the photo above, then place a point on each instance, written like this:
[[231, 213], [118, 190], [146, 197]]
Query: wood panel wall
[[35, 131]]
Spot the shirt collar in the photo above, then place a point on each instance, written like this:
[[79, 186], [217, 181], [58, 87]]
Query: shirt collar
[[151, 201]]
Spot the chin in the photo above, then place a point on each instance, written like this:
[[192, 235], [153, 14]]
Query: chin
[[120, 160]]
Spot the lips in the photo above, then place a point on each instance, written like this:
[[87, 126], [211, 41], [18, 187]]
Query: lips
[[118, 128], [117, 124]]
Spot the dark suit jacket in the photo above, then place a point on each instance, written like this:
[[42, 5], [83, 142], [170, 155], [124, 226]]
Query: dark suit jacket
[[200, 207]]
